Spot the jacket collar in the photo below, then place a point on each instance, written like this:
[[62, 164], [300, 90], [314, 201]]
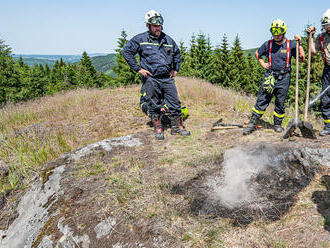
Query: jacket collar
[[161, 38]]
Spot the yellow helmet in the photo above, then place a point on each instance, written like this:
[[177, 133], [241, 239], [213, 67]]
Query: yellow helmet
[[278, 27]]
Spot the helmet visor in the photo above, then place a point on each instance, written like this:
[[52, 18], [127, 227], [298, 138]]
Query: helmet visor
[[156, 20], [277, 31]]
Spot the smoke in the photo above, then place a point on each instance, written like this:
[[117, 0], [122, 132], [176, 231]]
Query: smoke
[[235, 188], [258, 180]]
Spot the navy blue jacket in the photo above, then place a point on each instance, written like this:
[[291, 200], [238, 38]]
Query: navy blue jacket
[[159, 56], [279, 54]]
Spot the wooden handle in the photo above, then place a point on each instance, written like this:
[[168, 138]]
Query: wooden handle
[[308, 75], [297, 84]]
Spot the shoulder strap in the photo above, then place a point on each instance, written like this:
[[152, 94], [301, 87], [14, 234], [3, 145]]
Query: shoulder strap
[[322, 49], [270, 53], [287, 53]]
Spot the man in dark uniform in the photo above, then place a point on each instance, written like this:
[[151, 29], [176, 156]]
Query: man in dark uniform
[[322, 44], [160, 61], [279, 52]]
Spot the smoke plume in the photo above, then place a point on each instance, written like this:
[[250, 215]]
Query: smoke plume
[[240, 166]]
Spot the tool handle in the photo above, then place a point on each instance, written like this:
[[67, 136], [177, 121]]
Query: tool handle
[[231, 127], [297, 84], [311, 102], [308, 75]]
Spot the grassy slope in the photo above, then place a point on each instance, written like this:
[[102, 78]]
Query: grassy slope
[[41, 130]]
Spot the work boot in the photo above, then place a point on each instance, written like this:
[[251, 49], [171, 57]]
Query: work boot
[[278, 129], [158, 129], [251, 125], [177, 126], [325, 132]]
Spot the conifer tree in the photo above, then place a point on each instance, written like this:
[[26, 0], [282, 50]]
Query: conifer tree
[[184, 68], [124, 74], [86, 73], [238, 79], [254, 75], [191, 59], [9, 77], [222, 67], [208, 70], [202, 55], [37, 83]]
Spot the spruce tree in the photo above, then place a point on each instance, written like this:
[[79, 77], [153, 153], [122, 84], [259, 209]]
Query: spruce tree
[[124, 74], [208, 70], [9, 77], [238, 78], [184, 68], [191, 60], [86, 73], [222, 66], [253, 74], [203, 52]]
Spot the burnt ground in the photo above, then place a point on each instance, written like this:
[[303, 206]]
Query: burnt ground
[[322, 199], [133, 184], [276, 186], [165, 193]]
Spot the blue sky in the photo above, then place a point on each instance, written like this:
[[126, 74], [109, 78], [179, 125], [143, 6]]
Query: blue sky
[[72, 26]]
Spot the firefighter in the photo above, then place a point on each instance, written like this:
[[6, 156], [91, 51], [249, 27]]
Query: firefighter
[[322, 44], [160, 61], [279, 52]]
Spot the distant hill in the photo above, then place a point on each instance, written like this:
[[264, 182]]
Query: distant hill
[[102, 62], [37, 61]]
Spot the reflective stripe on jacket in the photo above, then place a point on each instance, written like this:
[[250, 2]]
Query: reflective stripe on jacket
[[159, 56]]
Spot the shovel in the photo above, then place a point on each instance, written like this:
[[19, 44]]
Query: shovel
[[294, 123], [306, 128]]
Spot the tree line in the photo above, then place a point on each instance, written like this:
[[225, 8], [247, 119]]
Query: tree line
[[20, 82], [229, 66], [224, 64]]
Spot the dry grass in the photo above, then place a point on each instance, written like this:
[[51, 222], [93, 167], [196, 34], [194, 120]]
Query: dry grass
[[139, 185]]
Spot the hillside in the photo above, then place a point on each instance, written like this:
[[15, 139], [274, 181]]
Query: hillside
[[129, 190], [101, 62], [37, 61], [104, 63]]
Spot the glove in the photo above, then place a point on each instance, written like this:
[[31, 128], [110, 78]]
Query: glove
[[269, 84]]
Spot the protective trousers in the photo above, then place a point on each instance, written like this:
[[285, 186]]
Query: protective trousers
[[280, 92], [161, 92], [325, 100]]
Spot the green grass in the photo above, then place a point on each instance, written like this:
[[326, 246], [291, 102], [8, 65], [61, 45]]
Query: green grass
[[26, 155]]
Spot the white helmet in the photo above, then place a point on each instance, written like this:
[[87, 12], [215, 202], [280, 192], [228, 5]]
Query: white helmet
[[153, 17], [325, 21]]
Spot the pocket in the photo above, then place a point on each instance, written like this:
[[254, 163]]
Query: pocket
[[150, 54]]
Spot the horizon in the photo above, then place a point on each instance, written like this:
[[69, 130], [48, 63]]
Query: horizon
[[71, 27], [26, 54]]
